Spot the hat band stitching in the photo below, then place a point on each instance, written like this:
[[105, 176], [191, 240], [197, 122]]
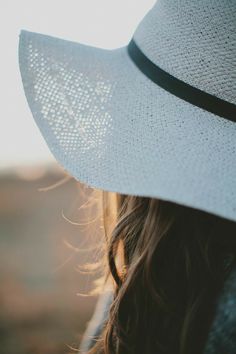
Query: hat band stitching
[[179, 88]]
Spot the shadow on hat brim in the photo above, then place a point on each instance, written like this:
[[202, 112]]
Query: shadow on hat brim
[[112, 128]]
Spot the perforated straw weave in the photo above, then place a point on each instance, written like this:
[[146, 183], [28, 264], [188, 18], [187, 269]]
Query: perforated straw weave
[[112, 128]]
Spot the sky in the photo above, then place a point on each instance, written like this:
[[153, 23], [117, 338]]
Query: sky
[[102, 23]]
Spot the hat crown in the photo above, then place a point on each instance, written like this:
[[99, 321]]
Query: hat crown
[[195, 41]]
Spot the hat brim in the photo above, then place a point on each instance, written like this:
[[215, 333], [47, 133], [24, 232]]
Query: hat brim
[[111, 127]]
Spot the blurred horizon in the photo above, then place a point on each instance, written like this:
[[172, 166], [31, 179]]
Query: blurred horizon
[[48, 230], [45, 239]]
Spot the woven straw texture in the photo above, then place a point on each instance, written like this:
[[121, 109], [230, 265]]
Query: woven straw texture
[[112, 128], [194, 40]]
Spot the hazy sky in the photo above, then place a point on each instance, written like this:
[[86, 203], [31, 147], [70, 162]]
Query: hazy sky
[[103, 23]]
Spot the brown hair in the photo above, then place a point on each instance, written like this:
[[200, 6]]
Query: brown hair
[[174, 266]]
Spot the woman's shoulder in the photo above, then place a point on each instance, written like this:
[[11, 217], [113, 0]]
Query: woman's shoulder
[[222, 335], [96, 323]]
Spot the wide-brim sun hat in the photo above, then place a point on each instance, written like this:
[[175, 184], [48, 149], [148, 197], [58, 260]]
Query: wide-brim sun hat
[[154, 118]]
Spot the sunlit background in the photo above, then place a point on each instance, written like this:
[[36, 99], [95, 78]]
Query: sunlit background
[[41, 245], [103, 23]]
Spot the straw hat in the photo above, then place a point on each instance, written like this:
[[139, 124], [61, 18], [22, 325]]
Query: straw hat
[[154, 118]]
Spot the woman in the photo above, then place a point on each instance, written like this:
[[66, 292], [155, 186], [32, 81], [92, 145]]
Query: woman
[[178, 261], [154, 122]]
